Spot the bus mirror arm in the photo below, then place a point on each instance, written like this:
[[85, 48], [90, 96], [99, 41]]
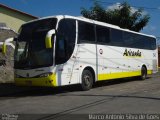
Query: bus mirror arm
[[4, 47], [48, 39], [15, 39]]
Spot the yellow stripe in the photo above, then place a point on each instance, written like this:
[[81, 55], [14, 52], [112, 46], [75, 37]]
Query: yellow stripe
[[149, 72], [120, 75], [49, 81]]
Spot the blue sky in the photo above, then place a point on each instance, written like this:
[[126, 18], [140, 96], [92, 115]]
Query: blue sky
[[43, 8]]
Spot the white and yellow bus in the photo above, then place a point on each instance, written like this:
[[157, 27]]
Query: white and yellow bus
[[65, 50]]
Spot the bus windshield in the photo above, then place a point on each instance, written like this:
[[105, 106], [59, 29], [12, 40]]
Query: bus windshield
[[30, 49]]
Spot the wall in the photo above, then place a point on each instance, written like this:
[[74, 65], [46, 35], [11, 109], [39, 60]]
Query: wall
[[13, 19]]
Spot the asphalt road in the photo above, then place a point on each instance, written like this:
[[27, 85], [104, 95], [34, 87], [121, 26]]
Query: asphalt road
[[122, 96]]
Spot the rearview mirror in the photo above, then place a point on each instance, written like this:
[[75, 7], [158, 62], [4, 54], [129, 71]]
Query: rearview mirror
[[4, 46], [48, 39]]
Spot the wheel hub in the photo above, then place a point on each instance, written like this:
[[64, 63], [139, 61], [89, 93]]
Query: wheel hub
[[87, 80]]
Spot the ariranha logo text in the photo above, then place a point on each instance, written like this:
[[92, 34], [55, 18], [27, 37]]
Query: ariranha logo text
[[130, 53]]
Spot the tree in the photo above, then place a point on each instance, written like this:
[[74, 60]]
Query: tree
[[123, 17]]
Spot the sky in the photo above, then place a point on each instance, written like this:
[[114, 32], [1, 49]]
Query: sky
[[42, 8]]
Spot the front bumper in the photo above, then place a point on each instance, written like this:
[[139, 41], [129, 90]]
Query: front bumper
[[49, 81]]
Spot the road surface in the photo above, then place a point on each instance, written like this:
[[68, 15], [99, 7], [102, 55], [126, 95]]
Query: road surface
[[122, 96]]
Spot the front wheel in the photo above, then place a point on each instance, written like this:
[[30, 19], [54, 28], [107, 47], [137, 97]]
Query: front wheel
[[143, 73], [87, 80]]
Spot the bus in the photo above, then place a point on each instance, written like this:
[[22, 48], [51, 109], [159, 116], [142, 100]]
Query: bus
[[65, 50]]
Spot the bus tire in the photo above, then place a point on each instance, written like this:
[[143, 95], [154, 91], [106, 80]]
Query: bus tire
[[143, 73], [87, 80]]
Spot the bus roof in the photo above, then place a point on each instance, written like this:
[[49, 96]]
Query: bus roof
[[92, 21]]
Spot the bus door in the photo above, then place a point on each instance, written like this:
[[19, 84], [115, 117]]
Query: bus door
[[64, 48], [103, 38], [101, 67]]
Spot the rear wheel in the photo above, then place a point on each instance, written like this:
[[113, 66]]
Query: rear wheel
[[87, 80], [143, 73]]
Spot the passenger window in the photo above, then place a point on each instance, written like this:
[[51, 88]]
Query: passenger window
[[130, 39], [65, 42], [153, 43], [86, 32], [103, 34], [116, 38]]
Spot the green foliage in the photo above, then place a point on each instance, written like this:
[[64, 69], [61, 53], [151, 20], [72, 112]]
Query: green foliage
[[123, 17]]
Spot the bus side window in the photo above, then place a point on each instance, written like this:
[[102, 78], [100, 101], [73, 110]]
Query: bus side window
[[116, 38], [103, 34], [60, 51], [86, 32], [65, 42]]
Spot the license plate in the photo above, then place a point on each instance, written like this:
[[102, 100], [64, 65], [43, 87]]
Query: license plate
[[28, 82]]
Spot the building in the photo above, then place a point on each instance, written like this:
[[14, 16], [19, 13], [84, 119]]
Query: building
[[13, 18], [10, 22]]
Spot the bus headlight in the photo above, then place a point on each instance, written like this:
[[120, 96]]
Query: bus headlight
[[17, 76], [45, 74]]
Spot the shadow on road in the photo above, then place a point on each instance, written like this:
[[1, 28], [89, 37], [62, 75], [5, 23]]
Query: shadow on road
[[9, 90]]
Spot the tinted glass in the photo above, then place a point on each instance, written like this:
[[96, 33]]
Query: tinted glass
[[139, 41], [65, 40], [116, 38], [152, 43], [30, 51], [103, 34], [86, 32], [41, 27]]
